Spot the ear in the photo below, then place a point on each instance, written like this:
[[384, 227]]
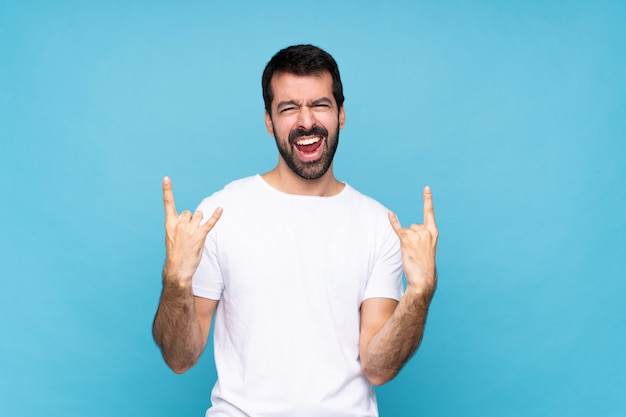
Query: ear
[[342, 117], [268, 124]]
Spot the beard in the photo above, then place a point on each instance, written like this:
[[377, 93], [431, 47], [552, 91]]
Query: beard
[[309, 170]]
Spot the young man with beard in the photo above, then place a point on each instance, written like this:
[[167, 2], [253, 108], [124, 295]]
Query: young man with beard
[[302, 273]]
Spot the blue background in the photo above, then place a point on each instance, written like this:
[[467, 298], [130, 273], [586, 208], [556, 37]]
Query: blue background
[[514, 113]]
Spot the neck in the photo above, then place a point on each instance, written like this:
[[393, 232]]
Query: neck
[[284, 179]]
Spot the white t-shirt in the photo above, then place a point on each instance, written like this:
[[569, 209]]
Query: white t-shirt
[[291, 272]]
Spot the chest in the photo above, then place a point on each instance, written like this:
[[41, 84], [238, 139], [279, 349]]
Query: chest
[[278, 253]]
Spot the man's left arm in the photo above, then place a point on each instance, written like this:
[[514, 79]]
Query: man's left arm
[[391, 331]]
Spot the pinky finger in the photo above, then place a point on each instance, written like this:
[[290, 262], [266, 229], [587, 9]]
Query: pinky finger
[[395, 223]]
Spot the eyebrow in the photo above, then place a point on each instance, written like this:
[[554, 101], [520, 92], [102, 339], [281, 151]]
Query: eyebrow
[[287, 103], [321, 100]]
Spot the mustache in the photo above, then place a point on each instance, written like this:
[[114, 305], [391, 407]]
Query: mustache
[[314, 131]]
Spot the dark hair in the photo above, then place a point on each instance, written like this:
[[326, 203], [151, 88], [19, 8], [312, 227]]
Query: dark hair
[[301, 60]]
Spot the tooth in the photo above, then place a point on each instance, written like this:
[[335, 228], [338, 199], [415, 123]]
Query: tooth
[[308, 141]]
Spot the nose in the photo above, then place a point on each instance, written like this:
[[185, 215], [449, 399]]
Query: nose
[[306, 118]]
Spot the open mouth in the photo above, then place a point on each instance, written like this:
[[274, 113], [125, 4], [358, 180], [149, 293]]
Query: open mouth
[[309, 148], [309, 144]]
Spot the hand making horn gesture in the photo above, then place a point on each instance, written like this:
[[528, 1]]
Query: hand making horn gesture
[[184, 237], [419, 246]]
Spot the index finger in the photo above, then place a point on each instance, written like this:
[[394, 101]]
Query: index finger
[[168, 198], [429, 211]]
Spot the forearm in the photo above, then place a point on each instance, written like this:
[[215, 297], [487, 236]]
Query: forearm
[[176, 329], [387, 345], [392, 346]]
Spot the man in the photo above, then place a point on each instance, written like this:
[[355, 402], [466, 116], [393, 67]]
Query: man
[[302, 272]]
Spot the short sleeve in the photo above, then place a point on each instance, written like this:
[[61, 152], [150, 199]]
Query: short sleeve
[[207, 280], [385, 280]]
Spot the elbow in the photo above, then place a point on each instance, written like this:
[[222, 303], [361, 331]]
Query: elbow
[[378, 377], [378, 380], [179, 370], [178, 358], [180, 367]]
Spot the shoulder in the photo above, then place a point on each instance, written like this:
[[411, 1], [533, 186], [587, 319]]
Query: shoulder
[[364, 203], [233, 192], [242, 185]]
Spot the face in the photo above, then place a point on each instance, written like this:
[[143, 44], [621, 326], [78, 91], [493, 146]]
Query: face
[[305, 121]]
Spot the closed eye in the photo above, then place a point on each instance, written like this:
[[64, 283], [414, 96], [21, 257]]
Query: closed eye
[[287, 110], [287, 106], [321, 105]]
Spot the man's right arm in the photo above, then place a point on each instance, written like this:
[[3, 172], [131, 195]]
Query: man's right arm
[[182, 322]]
